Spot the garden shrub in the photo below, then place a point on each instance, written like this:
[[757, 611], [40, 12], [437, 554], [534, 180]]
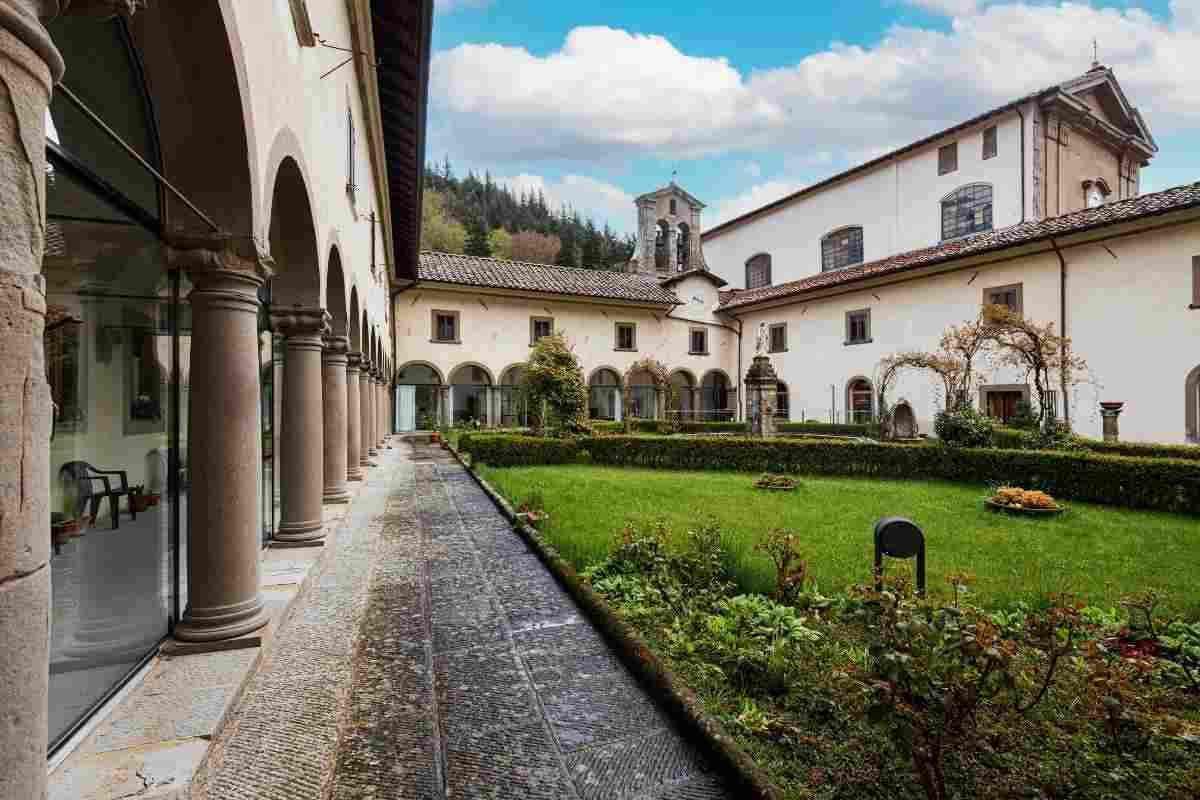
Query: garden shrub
[[964, 427], [1155, 483], [1140, 449], [664, 427], [500, 450], [1023, 418], [868, 430]]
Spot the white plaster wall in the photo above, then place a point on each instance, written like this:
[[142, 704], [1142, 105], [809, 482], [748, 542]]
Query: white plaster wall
[[898, 205], [1129, 318], [904, 316], [497, 336], [286, 97]]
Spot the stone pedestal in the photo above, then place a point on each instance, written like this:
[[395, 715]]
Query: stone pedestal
[[762, 387], [225, 464], [29, 66], [301, 456], [353, 418], [1109, 413], [365, 415], [333, 374]]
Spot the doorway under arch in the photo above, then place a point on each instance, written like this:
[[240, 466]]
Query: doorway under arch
[[860, 401], [418, 397], [604, 394], [717, 402], [682, 395], [513, 408], [470, 387]]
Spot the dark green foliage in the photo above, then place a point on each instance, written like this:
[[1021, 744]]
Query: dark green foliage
[[477, 238], [965, 426], [663, 427], [826, 429], [1154, 483], [509, 451], [1024, 419], [1186, 451], [472, 198]]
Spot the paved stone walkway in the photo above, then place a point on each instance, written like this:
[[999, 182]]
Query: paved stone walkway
[[473, 674]]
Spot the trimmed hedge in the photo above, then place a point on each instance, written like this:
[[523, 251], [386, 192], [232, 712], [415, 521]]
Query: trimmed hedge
[[1012, 438], [828, 429], [654, 426], [500, 450], [1153, 483]]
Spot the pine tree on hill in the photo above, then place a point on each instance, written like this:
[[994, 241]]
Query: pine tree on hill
[[477, 238]]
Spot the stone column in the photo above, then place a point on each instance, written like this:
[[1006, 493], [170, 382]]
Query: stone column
[[29, 67], [364, 384], [353, 418], [301, 438], [333, 374], [672, 249], [225, 457], [379, 434], [697, 398], [1109, 412]]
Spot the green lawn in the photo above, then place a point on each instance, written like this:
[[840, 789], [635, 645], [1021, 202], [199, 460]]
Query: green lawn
[[1095, 551]]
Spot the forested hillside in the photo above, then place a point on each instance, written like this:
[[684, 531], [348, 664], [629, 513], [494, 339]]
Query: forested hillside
[[479, 217]]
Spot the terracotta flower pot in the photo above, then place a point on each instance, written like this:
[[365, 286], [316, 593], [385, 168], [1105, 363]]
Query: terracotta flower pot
[[138, 503], [152, 499]]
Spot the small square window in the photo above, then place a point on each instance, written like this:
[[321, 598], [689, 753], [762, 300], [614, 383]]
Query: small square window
[[1008, 296], [626, 336], [778, 337], [698, 342], [673, 212], [445, 326], [989, 142], [858, 326], [947, 158], [539, 327]]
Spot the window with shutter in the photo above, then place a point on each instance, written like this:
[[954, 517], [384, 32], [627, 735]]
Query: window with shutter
[[778, 337], [989, 142], [626, 336], [947, 158], [698, 341], [540, 327], [1010, 296], [858, 326]]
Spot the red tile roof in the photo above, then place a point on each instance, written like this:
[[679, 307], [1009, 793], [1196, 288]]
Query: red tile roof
[[494, 273], [1178, 198]]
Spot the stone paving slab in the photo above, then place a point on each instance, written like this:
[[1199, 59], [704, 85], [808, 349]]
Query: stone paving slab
[[435, 657]]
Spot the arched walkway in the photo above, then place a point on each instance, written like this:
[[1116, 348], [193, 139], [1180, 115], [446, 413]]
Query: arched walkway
[[470, 386], [418, 396], [512, 408], [718, 401], [604, 394], [643, 395], [683, 394]]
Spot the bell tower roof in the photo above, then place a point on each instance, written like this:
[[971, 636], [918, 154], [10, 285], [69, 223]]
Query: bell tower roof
[[671, 188]]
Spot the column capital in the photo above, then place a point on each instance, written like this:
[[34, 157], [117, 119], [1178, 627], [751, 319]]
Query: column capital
[[22, 19], [365, 365], [301, 321], [201, 253], [353, 361], [336, 348]]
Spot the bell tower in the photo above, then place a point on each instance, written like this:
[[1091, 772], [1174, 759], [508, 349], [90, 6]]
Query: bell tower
[[668, 240]]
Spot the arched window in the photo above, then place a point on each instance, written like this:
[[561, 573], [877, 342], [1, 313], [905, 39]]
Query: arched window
[[967, 210], [683, 246], [604, 394], [842, 248], [661, 241], [860, 401], [758, 271]]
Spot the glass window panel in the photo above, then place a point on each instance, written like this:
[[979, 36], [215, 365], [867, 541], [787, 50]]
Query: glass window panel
[[967, 211], [758, 271], [842, 248]]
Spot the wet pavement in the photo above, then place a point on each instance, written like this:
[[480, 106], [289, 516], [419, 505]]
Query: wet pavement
[[437, 658]]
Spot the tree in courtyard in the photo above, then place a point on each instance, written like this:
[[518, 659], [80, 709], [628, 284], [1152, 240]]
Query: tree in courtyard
[[1044, 355], [964, 345], [554, 380]]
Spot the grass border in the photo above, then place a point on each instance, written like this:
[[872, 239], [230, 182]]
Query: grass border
[[655, 676]]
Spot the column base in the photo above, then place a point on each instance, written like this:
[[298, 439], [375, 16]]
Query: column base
[[335, 496], [298, 532], [364, 462], [354, 476], [371, 451], [221, 622]]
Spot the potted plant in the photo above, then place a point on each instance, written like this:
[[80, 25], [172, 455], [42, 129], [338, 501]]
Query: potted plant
[[153, 498], [777, 483], [138, 500]]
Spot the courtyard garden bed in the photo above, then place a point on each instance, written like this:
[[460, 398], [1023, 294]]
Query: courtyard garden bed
[[841, 692]]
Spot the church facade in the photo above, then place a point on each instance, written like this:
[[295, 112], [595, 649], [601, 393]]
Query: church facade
[[1035, 204]]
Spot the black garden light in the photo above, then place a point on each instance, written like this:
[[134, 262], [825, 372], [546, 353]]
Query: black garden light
[[898, 537]]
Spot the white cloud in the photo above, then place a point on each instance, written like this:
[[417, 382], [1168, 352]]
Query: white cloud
[[603, 202], [610, 95], [754, 197]]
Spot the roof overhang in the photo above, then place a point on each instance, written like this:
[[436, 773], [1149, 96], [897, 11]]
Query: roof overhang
[[1077, 112], [715, 280], [409, 285], [402, 32]]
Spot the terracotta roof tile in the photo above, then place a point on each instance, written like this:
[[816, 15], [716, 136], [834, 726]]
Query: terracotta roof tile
[[1178, 198], [495, 273]]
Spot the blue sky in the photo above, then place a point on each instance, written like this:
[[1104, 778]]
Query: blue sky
[[599, 102]]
